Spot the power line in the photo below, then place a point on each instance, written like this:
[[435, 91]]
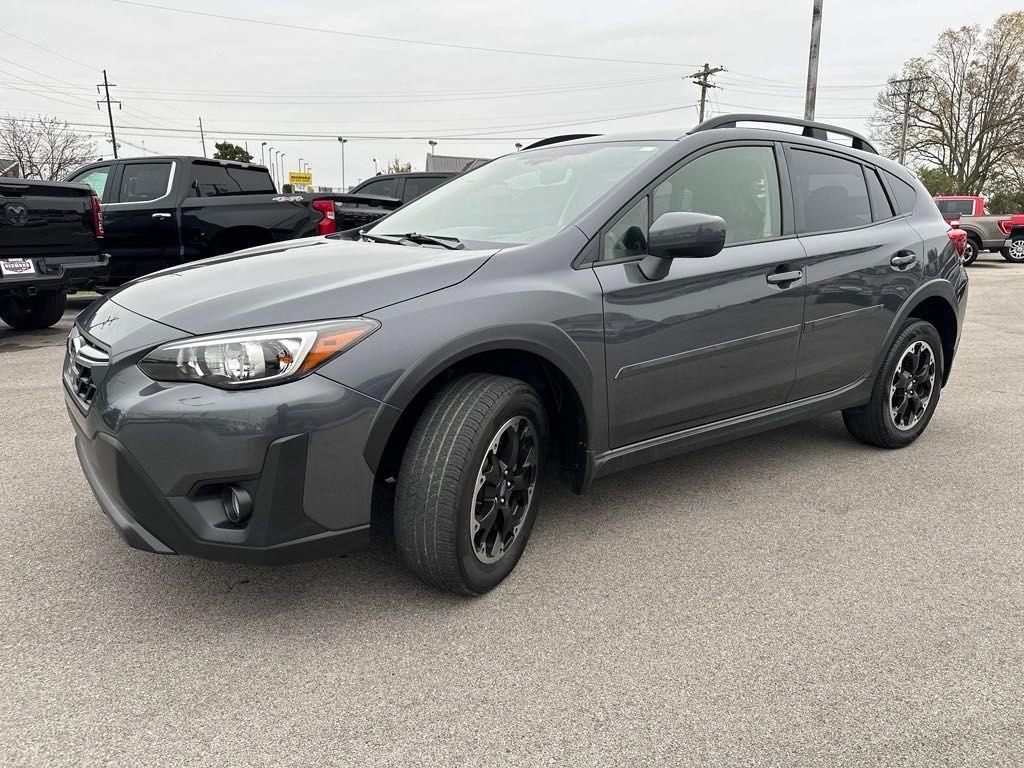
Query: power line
[[405, 40]]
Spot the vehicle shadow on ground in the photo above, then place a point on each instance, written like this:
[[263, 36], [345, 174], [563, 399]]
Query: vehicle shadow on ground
[[16, 341], [360, 586]]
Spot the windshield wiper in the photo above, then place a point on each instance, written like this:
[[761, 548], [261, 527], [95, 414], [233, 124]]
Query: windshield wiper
[[451, 243], [393, 240]]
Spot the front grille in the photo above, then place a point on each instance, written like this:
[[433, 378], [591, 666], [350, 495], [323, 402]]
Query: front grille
[[80, 369]]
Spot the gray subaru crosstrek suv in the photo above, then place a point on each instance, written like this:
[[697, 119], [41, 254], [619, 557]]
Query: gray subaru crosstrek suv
[[584, 306]]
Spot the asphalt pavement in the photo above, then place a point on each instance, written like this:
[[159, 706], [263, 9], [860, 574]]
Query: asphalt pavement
[[792, 599]]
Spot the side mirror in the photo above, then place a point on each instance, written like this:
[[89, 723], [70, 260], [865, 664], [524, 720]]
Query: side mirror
[[681, 235]]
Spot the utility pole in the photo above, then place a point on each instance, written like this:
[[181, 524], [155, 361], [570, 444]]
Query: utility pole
[[812, 62], [907, 96], [700, 79], [110, 112], [343, 142], [202, 136]]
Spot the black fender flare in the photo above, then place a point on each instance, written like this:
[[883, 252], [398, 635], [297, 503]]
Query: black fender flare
[[937, 287], [545, 340]]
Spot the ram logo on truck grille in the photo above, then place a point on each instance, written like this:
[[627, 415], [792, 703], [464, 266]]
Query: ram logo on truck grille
[[17, 214]]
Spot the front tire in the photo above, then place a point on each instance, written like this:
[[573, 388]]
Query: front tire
[[31, 313], [469, 484], [906, 390]]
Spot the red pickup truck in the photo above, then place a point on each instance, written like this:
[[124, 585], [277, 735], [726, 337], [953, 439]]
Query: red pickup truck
[[985, 232]]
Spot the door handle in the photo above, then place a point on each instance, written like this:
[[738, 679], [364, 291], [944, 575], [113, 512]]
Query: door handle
[[161, 215], [904, 260], [784, 278]]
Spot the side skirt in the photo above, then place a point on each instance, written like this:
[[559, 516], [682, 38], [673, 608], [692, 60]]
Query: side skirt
[[704, 435]]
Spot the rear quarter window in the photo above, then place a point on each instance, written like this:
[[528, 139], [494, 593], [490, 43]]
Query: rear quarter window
[[906, 195]]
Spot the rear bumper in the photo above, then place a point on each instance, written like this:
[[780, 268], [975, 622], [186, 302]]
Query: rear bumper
[[67, 277]]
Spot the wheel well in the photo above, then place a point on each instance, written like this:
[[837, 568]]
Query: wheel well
[[238, 238], [566, 417], [939, 313]]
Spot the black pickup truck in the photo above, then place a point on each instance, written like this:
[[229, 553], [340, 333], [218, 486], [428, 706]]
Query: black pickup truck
[[163, 211], [383, 193], [51, 236]]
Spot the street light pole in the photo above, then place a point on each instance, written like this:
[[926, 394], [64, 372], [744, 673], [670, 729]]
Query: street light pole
[[282, 166], [262, 160], [343, 143], [432, 144], [270, 165], [375, 171]]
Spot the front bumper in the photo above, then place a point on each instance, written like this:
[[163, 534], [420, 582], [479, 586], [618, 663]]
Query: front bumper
[[158, 456]]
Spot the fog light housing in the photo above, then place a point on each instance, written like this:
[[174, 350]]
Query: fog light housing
[[237, 503]]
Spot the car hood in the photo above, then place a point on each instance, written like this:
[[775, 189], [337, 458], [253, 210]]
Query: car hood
[[300, 281]]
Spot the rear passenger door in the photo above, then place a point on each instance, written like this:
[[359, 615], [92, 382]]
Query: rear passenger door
[[863, 261]]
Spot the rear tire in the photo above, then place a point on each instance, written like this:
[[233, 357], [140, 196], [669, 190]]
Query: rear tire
[[971, 250], [1015, 253], [905, 392], [30, 313], [482, 438]]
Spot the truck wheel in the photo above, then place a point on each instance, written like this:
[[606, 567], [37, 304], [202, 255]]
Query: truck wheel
[[971, 250], [29, 313], [1015, 253], [468, 487], [906, 391]]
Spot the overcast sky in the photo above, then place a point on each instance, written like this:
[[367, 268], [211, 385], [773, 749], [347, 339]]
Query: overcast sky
[[256, 82]]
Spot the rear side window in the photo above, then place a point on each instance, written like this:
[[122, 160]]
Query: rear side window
[[383, 188], [97, 179], [954, 209], [415, 187], [881, 208], [906, 195], [828, 192], [141, 182], [214, 180]]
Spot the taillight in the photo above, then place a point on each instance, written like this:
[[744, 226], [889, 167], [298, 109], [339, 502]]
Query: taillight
[[1006, 225], [959, 239], [97, 216], [328, 223]]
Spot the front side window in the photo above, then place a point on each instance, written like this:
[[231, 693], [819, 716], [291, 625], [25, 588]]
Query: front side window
[[142, 182], [415, 187], [829, 193], [740, 184], [96, 179], [521, 198]]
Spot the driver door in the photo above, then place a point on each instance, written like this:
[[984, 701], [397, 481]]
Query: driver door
[[716, 337]]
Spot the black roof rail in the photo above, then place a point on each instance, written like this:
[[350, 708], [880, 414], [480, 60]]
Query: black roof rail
[[811, 129], [559, 139]]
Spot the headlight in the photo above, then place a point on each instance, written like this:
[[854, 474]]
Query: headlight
[[255, 357]]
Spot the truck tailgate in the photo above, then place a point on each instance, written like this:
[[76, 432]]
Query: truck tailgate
[[45, 219]]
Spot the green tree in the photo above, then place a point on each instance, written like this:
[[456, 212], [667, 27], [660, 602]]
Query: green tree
[[228, 151], [937, 181], [399, 166]]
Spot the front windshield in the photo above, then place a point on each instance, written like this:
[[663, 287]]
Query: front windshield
[[520, 198]]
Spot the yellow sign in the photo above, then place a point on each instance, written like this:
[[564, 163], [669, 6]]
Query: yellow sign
[[300, 179]]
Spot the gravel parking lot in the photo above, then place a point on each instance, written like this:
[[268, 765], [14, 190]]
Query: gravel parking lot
[[791, 599]]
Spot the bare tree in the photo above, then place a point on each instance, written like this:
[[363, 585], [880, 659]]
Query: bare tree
[[45, 147], [966, 102]]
